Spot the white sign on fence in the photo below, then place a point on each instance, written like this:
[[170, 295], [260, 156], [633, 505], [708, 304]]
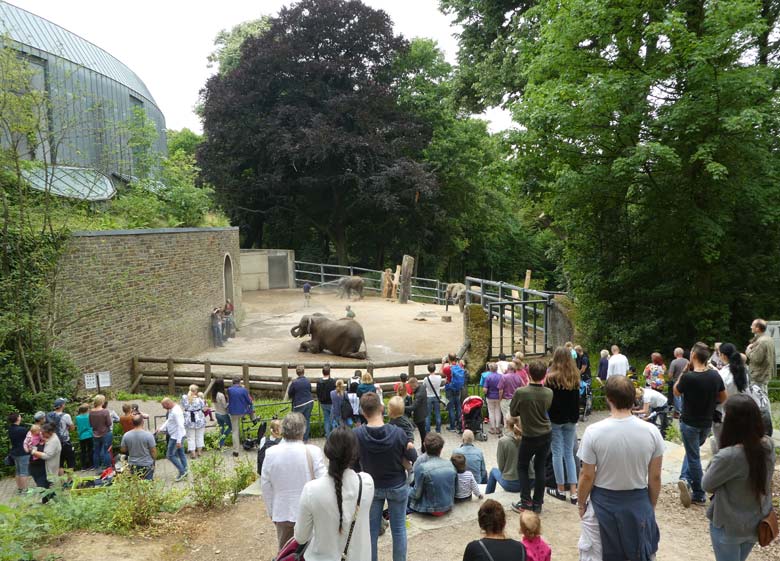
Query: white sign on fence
[[97, 380], [90, 381], [104, 379]]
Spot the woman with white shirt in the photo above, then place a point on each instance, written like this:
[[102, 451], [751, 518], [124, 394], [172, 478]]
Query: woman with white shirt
[[735, 379], [328, 506], [287, 467]]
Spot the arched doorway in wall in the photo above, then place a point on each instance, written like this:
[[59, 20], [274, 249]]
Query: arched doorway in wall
[[227, 278]]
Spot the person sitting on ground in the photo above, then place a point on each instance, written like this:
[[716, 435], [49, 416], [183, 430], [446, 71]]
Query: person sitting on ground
[[288, 466], [366, 384], [318, 511], [506, 458], [419, 409], [620, 480], [475, 459], [126, 418], [141, 449], [466, 485], [536, 548], [404, 381], [274, 438], [435, 480], [495, 545], [740, 480], [395, 409]]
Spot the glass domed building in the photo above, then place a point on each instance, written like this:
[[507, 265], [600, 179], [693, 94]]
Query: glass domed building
[[92, 99]]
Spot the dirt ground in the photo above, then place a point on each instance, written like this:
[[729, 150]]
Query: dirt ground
[[243, 531], [393, 331]]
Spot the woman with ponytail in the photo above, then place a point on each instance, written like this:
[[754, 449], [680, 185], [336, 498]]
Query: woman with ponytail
[[740, 478], [735, 378], [328, 505]]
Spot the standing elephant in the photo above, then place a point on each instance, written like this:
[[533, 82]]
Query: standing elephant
[[456, 292], [342, 337], [348, 285]]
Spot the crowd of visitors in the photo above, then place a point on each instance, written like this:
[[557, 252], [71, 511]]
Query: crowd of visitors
[[377, 472]]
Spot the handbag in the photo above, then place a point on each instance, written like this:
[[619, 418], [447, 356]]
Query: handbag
[[9, 460], [767, 529]]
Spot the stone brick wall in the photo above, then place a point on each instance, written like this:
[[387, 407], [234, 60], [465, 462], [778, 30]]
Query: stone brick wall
[[142, 293]]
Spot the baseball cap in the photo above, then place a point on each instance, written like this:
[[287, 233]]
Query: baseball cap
[[59, 402], [39, 415]]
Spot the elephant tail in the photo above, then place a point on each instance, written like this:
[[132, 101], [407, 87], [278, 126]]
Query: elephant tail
[[364, 344]]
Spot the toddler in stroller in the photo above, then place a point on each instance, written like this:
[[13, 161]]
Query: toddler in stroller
[[472, 418]]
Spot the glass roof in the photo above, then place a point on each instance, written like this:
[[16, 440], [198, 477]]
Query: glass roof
[[71, 182], [39, 33]]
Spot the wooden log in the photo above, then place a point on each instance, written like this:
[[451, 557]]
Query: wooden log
[[245, 373], [135, 375], [407, 268], [285, 379]]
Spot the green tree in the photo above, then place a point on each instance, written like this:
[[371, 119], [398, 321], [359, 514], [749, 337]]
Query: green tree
[[228, 43], [648, 130], [184, 140]]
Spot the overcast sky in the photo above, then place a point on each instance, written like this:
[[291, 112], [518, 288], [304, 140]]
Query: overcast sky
[[166, 42]]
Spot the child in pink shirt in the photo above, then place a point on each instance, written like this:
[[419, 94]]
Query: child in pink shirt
[[32, 439], [536, 548]]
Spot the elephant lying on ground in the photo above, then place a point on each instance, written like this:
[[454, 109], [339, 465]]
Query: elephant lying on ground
[[456, 292], [348, 285], [342, 337]]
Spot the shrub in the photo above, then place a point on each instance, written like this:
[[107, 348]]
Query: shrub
[[210, 483], [135, 501], [243, 476]]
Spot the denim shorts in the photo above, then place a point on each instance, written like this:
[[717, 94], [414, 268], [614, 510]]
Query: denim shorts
[[22, 464]]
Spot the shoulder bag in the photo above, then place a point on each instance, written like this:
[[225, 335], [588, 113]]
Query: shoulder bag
[[354, 518], [292, 550], [443, 401], [767, 529], [490, 557]]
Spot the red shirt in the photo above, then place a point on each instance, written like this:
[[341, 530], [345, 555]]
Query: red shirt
[[408, 388], [446, 371]]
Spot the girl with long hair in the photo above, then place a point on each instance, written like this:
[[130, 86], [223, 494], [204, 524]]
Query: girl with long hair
[[327, 506], [740, 477], [563, 379], [219, 399]]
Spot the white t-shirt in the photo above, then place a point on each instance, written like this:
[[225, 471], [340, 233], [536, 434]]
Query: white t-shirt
[[618, 365], [501, 366], [435, 381], [621, 449], [653, 397]]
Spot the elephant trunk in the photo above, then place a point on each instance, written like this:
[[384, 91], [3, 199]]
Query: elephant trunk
[[295, 331]]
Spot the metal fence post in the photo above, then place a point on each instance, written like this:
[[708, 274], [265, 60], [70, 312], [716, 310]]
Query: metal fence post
[[322, 274]]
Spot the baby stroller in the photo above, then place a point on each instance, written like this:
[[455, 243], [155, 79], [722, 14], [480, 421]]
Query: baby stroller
[[472, 416], [586, 399]]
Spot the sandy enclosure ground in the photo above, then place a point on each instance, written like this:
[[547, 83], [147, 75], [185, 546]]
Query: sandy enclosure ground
[[393, 331]]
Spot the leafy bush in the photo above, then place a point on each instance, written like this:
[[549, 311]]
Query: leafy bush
[[136, 501], [243, 476], [210, 483], [139, 207]]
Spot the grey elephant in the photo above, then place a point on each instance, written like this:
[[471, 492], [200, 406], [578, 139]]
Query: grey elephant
[[456, 292], [348, 285], [342, 337]]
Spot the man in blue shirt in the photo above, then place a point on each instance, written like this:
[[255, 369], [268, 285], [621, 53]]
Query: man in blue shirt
[[239, 404], [299, 392], [306, 295]]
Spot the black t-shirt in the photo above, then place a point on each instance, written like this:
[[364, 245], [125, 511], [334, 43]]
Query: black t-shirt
[[17, 434], [584, 360], [565, 406], [700, 392], [501, 550], [324, 387]]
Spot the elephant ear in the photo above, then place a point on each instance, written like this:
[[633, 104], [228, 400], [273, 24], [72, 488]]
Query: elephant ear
[[309, 327]]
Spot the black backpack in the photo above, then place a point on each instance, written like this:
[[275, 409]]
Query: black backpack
[[261, 453], [346, 411], [56, 419]]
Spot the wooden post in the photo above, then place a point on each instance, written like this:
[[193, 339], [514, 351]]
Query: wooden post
[[207, 372], [135, 375], [171, 378], [396, 280], [407, 266], [245, 372], [410, 367], [285, 380], [370, 369], [527, 283]]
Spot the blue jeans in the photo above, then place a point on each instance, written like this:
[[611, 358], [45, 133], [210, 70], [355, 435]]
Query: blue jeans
[[454, 407], [143, 472], [397, 499], [563, 437], [434, 406], [216, 334], [177, 456], [101, 458], [224, 427], [326, 407], [495, 477], [305, 410], [693, 439], [728, 549]]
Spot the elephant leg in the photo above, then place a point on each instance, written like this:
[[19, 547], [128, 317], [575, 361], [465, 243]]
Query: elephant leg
[[462, 304], [304, 347], [360, 355]]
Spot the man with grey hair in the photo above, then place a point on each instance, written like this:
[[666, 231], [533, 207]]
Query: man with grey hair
[[288, 466], [174, 426], [676, 367], [475, 459], [761, 355]]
